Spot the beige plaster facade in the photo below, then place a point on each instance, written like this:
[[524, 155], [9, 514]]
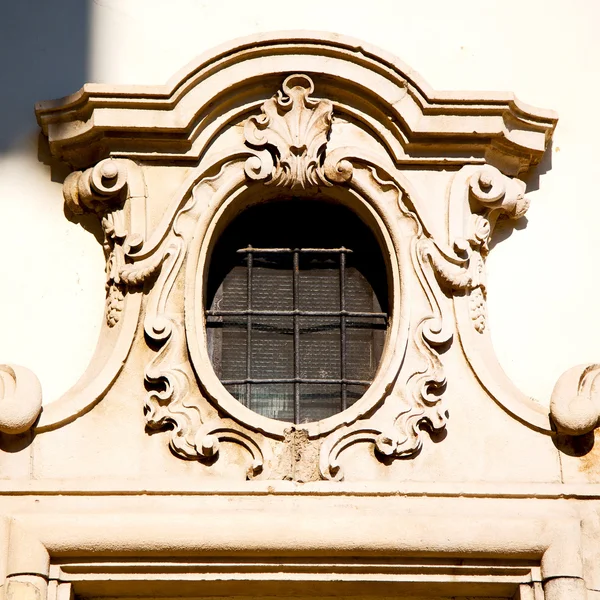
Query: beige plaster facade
[[147, 478]]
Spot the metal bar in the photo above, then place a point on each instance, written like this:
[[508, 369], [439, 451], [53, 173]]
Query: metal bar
[[290, 330], [297, 380], [291, 313], [249, 331], [295, 297], [343, 328], [343, 315], [293, 250]]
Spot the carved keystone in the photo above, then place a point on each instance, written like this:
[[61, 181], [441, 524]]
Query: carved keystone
[[294, 129]]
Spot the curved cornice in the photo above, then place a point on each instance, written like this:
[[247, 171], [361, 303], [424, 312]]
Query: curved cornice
[[176, 121]]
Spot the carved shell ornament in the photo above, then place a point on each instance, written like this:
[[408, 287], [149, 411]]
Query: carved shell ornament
[[294, 128], [292, 125]]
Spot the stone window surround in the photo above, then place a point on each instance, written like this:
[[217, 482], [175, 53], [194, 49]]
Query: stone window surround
[[489, 137], [108, 133]]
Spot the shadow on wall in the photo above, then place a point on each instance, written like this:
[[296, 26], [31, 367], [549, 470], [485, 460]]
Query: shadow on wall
[[43, 55], [505, 227]]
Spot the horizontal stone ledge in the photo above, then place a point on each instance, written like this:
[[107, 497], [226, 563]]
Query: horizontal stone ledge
[[178, 487], [348, 530]]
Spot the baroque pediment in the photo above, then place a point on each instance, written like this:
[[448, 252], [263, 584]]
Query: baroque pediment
[[168, 169]]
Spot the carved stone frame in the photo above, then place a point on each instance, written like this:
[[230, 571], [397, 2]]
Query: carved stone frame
[[373, 211]]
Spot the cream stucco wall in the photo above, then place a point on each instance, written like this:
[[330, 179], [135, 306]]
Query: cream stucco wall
[[542, 278]]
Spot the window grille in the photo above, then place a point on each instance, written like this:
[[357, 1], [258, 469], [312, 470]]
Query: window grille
[[296, 331]]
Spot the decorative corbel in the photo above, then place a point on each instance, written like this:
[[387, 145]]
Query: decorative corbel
[[485, 194]]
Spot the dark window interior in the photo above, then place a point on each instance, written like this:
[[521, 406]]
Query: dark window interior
[[297, 309]]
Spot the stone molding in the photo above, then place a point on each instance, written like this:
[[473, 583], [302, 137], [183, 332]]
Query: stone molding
[[43, 556], [314, 114], [24, 562], [169, 122]]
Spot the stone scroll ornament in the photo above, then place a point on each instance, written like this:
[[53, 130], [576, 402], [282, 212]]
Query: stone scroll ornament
[[103, 190], [433, 171]]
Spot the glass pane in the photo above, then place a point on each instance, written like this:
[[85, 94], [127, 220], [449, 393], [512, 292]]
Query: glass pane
[[234, 291], [319, 401], [229, 333], [238, 391], [320, 347], [272, 281], [319, 282], [354, 393], [271, 357], [359, 294], [272, 347], [273, 400], [364, 342]]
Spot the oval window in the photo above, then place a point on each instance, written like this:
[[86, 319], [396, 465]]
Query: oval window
[[297, 309]]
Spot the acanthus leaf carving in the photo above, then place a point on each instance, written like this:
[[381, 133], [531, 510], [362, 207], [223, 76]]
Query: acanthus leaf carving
[[331, 449], [490, 195], [134, 274], [169, 402], [388, 443], [294, 128]]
